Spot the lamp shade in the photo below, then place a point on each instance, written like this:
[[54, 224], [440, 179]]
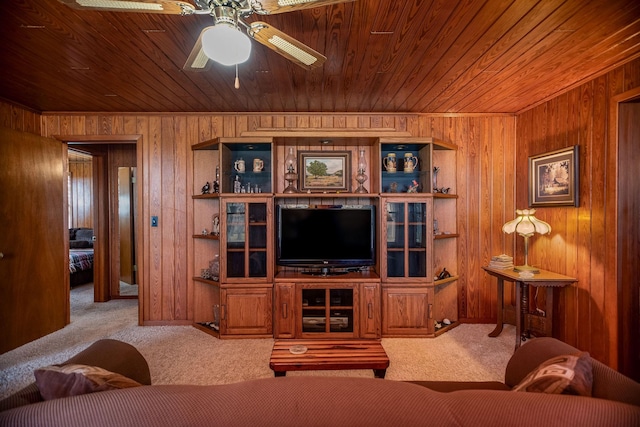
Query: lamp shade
[[526, 224], [225, 44]]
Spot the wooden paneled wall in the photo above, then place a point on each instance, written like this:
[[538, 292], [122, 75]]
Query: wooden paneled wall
[[81, 193], [484, 180], [20, 119], [583, 239]]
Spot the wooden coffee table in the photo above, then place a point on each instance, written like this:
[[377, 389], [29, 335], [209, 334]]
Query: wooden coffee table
[[329, 355]]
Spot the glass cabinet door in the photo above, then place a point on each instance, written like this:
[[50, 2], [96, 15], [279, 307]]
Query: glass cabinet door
[[236, 238], [334, 304], [395, 239], [406, 239], [246, 239]]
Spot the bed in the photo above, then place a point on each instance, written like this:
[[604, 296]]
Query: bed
[[80, 256], [80, 266]]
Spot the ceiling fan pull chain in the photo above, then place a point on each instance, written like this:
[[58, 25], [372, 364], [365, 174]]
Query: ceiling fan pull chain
[[237, 85]]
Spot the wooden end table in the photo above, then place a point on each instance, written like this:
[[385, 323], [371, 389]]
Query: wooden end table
[[329, 355], [546, 279]]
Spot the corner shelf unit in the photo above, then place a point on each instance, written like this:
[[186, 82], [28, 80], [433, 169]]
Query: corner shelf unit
[[416, 238]]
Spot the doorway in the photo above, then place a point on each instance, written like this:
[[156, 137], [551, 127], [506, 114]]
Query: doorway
[[113, 207]]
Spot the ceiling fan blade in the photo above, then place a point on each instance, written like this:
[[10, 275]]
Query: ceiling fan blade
[[270, 7], [197, 60], [286, 45], [167, 7]]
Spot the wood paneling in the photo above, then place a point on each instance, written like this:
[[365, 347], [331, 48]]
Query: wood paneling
[[81, 192], [482, 56], [583, 242], [486, 156]]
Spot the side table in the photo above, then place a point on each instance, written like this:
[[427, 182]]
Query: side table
[[546, 279]]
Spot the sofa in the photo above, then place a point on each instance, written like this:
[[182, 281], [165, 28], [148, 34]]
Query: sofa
[[328, 401]]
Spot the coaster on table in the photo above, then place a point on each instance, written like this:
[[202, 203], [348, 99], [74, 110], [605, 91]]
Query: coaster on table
[[298, 349]]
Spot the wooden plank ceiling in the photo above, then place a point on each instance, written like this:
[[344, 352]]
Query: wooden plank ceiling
[[474, 56]]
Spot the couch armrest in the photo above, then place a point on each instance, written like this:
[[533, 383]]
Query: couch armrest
[[607, 383], [531, 354], [112, 355], [115, 356]]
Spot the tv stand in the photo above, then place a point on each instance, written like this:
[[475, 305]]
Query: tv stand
[[310, 306]]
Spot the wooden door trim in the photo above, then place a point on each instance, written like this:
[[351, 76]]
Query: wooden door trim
[[102, 290]]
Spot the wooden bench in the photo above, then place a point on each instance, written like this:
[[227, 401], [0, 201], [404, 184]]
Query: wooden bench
[[329, 355]]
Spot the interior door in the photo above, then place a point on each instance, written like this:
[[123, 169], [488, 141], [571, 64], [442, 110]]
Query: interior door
[[629, 238], [34, 260]]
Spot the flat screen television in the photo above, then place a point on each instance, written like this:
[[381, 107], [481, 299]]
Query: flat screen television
[[325, 236]]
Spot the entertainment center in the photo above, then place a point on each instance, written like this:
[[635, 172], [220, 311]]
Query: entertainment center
[[321, 260]]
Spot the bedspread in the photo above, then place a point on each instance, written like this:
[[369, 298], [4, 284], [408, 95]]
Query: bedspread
[[80, 259]]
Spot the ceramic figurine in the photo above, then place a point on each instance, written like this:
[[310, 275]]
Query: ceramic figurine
[[206, 188]]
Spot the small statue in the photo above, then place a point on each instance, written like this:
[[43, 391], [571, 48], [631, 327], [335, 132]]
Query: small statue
[[216, 226], [413, 188], [393, 187], [206, 188], [444, 274]]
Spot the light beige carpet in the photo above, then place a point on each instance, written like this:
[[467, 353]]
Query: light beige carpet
[[185, 355]]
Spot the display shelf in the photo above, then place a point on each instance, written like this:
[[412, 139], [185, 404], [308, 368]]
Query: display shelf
[[446, 236], [206, 196], [207, 281], [206, 236], [444, 328], [445, 281], [208, 328], [240, 160]]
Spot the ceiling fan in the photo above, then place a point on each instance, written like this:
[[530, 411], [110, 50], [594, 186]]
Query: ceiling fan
[[224, 41]]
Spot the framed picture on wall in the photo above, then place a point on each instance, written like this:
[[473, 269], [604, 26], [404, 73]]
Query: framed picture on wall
[[325, 171], [553, 178]]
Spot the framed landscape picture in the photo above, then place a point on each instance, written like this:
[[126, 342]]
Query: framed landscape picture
[[325, 171], [553, 178]]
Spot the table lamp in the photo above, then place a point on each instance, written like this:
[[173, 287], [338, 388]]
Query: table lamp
[[526, 225]]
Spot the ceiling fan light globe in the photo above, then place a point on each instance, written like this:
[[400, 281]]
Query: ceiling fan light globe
[[226, 45]]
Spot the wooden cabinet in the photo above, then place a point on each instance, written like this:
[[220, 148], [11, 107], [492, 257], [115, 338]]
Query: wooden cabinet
[[406, 312], [236, 229], [284, 317], [246, 311], [406, 244], [247, 239], [326, 308], [416, 240], [370, 310], [418, 236]]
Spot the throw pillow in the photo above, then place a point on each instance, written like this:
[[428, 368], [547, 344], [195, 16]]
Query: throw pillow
[[567, 374], [56, 381]]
